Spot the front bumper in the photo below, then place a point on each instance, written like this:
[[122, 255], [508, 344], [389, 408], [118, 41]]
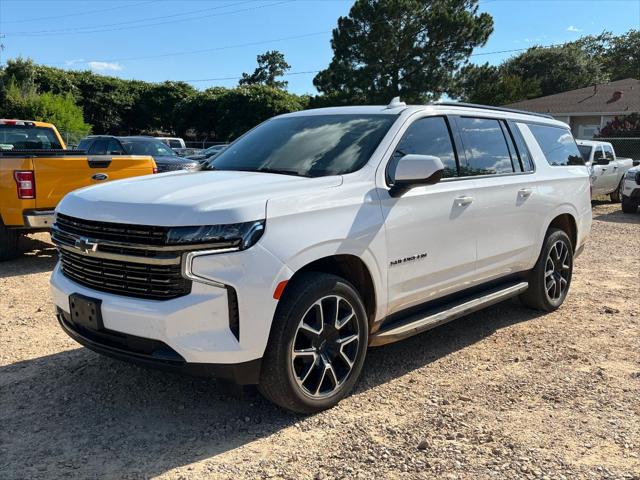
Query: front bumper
[[155, 354], [631, 189]]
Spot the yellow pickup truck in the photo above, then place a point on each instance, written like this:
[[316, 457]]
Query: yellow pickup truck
[[36, 171]]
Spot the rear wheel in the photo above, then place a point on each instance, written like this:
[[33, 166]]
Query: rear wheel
[[550, 278], [317, 345], [629, 205], [8, 242]]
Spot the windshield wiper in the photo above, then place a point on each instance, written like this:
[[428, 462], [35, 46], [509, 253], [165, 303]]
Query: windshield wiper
[[281, 171]]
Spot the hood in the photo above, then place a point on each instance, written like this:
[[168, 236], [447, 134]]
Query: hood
[[187, 198]]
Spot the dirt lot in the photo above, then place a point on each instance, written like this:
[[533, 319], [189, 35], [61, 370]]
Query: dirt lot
[[505, 393]]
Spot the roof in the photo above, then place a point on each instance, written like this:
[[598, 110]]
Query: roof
[[450, 108], [619, 97], [591, 143]]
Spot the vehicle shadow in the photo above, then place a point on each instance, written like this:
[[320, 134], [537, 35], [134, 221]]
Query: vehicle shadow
[[35, 256], [618, 217], [77, 414]]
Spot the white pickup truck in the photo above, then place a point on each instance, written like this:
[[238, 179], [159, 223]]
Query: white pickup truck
[[607, 170]]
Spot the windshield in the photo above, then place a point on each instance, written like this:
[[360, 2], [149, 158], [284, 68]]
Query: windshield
[[143, 146], [310, 146], [15, 137], [585, 151]]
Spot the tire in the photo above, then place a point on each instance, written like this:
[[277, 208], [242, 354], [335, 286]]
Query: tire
[[616, 195], [305, 384], [8, 242], [547, 291], [629, 205]]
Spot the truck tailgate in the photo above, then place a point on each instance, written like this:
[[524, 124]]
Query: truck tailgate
[[57, 176]]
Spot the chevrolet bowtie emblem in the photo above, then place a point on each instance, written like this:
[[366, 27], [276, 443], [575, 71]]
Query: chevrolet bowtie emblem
[[84, 245]]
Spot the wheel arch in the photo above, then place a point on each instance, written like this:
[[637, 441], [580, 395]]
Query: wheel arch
[[350, 267], [567, 223]]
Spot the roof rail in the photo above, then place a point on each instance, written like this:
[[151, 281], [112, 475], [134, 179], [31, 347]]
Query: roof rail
[[487, 107]]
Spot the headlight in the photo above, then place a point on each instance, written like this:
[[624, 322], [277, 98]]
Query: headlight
[[233, 235], [630, 175]]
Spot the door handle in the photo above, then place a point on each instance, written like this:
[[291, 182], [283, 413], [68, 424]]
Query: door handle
[[463, 201], [604, 169], [525, 192]]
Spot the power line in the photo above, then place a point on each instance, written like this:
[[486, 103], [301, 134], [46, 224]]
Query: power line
[[100, 30], [317, 71], [206, 50], [78, 14]]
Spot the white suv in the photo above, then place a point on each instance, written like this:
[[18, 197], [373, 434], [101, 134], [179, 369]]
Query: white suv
[[631, 190], [318, 234]]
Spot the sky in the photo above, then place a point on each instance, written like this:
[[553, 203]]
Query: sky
[[212, 42]]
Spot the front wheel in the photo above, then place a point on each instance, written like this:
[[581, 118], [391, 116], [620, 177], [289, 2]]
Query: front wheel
[[317, 344], [617, 194], [629, 205], [550, 278]]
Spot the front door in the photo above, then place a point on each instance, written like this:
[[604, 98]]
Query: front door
[[430, 230]]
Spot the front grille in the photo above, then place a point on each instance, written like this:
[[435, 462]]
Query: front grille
[[114, 232], [159, 282], [130, 260]]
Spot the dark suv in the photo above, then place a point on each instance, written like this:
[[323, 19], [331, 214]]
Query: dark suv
[[166, 159]]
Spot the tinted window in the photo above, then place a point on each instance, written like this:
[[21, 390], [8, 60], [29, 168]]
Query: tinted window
[[598, 154], [428, 136], [144, 146], [526, 161], [113, 147], [585, 151], [175, 144], [608, 152], [16, 137], [558, 145], [485, 147], [99, 147], [310, 145]]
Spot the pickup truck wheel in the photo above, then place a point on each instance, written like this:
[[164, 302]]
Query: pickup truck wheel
[[550, 278], [317, 345], [616, 195], [8, 242], [629, 205]]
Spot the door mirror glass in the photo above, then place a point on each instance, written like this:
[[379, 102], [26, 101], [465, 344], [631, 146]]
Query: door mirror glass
[[413, 170], [599, 158]]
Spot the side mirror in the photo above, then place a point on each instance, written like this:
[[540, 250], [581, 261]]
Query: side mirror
[[601, 161], [413, 170]]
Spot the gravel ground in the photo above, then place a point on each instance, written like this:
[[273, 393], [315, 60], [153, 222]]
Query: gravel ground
[[504, 393]]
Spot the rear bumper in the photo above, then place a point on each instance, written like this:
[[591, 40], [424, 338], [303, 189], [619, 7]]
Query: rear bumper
[[155, 354], [38, 218]]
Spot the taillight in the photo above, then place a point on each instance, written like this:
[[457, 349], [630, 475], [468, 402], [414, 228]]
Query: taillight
[[155, 169], [26, 183]]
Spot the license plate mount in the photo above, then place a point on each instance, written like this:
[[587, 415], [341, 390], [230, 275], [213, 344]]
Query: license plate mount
[[86, 312]]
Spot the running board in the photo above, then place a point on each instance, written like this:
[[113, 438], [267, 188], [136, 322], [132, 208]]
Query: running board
[[426, 320]]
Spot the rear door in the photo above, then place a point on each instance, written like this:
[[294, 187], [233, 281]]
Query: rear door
[[508, 212]]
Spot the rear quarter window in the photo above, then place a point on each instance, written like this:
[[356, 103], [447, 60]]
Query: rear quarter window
[[557, 144]]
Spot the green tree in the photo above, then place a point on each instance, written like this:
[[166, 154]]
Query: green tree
[[61, 110], [488, 85], [271, 65], [411, 48], [156, 104]]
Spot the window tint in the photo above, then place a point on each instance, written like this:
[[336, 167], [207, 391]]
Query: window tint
[[428, 136], [608, 152], [175, 144], [585, 151], [99, 147], [113, 147], [523, 151], [485, 147], [84, 144], [18, 137], [598, 155], [558, 145]]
